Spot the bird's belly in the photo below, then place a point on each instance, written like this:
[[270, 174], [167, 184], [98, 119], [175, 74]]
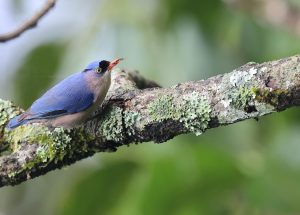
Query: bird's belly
[[76, 119], [71, 120]]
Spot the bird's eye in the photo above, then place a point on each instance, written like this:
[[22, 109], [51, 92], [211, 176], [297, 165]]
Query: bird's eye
[[98, 70]]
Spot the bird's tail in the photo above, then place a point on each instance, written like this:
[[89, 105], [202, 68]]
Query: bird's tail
[[15, 122]]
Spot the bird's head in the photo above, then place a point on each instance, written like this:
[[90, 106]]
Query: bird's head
[[102, 66]]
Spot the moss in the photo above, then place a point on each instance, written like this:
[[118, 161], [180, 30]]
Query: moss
[[25, 133], [111, 127], [162, 108], [195, 113], [131, 119], [53, 145], [270, 97]]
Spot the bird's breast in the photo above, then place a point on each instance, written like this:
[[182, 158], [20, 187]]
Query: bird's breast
[[100, 86]]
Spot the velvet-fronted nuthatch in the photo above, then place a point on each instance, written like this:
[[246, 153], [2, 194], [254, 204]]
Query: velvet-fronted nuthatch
[[70, 102]]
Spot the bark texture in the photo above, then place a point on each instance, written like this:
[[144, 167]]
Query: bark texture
[[138, 110]]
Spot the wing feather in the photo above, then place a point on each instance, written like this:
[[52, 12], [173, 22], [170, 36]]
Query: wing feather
[[71, 95]]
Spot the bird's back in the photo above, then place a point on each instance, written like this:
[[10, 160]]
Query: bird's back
[[69, 96]]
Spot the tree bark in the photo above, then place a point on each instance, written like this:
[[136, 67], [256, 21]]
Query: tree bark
[[138, 110]]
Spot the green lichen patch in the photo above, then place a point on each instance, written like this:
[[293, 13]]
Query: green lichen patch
[[53, 145], [195, 112], [7, 111], [59, 144], [111, 127], [25, 133], [131, 120], [242, 98], [162, 108]]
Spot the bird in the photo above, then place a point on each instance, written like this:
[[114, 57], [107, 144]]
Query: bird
[[70, 102]]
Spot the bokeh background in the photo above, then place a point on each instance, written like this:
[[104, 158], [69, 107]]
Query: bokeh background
[[246, 168]]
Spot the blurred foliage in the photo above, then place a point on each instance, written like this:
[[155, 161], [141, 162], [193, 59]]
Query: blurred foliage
[[208, 15], [37, 72], [247, 168], [111, 189]]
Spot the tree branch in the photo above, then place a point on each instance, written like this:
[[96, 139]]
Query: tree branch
[[133, 115], [29, 23]]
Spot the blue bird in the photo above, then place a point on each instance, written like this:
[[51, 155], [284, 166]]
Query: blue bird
[[70, 102]]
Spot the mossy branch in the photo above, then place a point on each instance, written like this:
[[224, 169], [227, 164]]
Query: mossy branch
[[138, 110]]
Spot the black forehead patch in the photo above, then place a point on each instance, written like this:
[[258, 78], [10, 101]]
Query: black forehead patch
[[104, 64]]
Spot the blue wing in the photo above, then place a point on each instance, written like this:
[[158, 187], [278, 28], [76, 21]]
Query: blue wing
[[69, 96]]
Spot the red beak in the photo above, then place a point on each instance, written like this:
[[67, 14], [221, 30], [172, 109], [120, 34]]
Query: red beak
[[114, 63]]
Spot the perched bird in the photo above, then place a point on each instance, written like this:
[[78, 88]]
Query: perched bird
[[70, 102]]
